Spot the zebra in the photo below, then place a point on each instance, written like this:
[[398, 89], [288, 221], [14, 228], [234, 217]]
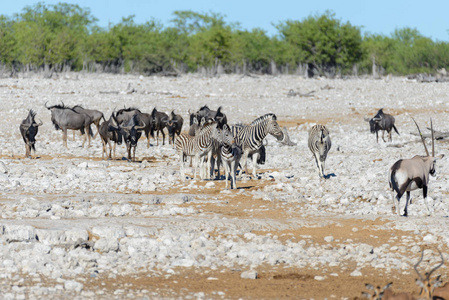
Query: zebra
[[319, 145], [230, 155], [198, 147], [250, 138]]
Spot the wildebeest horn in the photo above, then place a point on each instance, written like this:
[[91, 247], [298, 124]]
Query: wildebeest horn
[[366, 119], [46, 105], [422, 138], [140, 127], [40, 123]]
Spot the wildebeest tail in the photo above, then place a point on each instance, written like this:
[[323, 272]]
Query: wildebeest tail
[[395, 129], [90, 131]]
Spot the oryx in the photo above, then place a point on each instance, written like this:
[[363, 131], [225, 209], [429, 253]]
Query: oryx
[[410, 174]]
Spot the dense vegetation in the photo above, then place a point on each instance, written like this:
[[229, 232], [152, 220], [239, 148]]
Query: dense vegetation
[[62, 37]]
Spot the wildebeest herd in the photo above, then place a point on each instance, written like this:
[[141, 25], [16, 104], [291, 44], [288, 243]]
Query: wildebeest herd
[[211, 141]]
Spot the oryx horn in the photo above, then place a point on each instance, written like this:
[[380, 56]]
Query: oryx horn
[[433, 140], [422, 138]]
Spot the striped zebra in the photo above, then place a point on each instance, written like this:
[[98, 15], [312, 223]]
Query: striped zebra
[[319, 144], [250, 138], [230, 155], [198, 147]]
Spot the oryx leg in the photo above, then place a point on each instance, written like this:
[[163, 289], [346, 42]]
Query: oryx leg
[[406, 203], [114, 150], [424, 192], [401, 192]]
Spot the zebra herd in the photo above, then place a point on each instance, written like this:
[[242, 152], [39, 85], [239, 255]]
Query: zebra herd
[[231, 145]]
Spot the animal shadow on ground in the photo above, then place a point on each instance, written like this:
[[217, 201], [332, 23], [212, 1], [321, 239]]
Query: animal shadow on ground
[[329, 175]]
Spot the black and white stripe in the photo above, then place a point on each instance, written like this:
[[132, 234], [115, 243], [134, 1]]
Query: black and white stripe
[[230, 155], [198, 147], [319, 144], [250, 138]]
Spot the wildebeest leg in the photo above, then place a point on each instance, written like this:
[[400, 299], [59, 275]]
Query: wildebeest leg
[[383, 133], [27, 150], [88, 131], [377, 136], [114, 150], [105, 149], [163, 136], [98, 128], [157, 137], [64, 137], [134, 153]]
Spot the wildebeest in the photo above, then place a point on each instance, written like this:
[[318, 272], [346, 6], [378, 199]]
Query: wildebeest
[[211, 115], [174, 126], [29, 128], [410, 174], [132, 132], [125, 114], [96, 115], [66, 118], [110, 132], [384, 122], [160, 120]]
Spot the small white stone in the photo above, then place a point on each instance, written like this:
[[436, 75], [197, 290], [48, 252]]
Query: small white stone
[[210, 185], [251, 274], [356, 273], [329, 239], [319, 278]]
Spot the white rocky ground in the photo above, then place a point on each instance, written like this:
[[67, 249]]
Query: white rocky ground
[[69, 217]]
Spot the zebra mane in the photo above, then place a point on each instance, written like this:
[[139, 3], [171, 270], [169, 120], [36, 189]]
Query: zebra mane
[[269, 116]]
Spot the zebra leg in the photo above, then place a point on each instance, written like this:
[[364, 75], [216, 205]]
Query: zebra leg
[[233, 181], [211, 170], [181, 170], [255, 157], [318, 163], [226, 167], [243, 160]]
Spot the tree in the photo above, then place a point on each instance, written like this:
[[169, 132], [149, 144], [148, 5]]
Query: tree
[[323, 42]]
